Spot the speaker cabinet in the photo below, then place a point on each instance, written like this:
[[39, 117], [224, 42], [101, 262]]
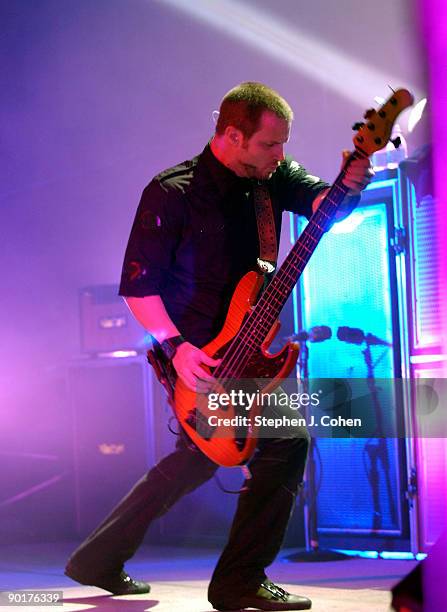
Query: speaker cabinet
[[351, 281], [106, 324], [36, 475], [424, 356], [111, 402]]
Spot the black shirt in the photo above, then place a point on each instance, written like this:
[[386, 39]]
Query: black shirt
[[195, 235]]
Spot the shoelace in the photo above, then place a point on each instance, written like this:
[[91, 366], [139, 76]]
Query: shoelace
[[276, 591]]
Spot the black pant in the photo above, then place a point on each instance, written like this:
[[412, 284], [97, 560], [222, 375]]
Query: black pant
[[258, 527]]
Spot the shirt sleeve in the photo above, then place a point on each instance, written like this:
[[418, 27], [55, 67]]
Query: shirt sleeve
[[153, 239], [297, 189]]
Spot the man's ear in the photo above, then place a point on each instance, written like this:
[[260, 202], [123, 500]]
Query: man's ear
[[234, 136]]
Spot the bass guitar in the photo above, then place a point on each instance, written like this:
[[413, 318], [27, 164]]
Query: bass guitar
[[252, 323]]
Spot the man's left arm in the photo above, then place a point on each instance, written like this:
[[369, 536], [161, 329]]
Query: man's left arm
[[358, 175]]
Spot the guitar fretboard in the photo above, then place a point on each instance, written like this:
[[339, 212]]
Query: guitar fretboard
[[259, 322]]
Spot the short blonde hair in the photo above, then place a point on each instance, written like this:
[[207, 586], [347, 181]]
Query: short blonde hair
[[242, 107]]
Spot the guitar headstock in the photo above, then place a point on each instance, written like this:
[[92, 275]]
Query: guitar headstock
[[376, 132]]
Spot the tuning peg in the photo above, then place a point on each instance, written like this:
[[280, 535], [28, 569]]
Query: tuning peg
[[396, 142], [369, 113], [358, 125]]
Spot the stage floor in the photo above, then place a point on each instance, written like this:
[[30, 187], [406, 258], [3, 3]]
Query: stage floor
[[179, 577]]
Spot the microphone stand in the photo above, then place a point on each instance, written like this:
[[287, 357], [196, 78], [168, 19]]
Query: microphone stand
[[313, 552], [376, 448]]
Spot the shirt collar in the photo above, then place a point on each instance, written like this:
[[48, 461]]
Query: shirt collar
[[226, 180]]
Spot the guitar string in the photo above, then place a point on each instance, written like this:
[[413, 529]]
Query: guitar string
[[251, 326], [243, 351], [314, 234], [256, 330], [253, 329]]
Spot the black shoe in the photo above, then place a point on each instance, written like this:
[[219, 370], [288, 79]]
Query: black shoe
[[269, 596], [118, 584]]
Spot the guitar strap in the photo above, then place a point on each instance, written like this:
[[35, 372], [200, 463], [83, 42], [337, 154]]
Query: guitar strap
[[268, 249]]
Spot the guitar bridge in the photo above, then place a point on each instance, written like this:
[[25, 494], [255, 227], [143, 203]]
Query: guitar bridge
[[197, 421]]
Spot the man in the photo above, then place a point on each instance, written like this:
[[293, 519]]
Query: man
[[194, 236]]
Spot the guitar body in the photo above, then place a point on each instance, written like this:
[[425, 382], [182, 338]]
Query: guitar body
[[225, 444]]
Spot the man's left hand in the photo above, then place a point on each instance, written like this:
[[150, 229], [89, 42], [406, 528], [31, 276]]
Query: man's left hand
[[358, 174]]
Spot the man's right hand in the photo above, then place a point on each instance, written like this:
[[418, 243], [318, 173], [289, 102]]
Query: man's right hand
[[187, 363]]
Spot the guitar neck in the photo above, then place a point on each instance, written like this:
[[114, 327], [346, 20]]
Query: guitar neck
[[277, 292]]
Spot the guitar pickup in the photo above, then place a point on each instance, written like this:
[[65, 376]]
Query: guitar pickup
[[191, 419], [197, 421]]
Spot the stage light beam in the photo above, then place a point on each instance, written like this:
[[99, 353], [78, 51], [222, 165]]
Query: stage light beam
[[318, 60]]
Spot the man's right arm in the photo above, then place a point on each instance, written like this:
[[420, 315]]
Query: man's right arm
[[155, 233], [151, 313]]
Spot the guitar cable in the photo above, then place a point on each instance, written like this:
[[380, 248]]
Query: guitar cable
[[247, 475], [245, 470]]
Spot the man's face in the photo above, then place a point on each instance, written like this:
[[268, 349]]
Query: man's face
[[260, 155]]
